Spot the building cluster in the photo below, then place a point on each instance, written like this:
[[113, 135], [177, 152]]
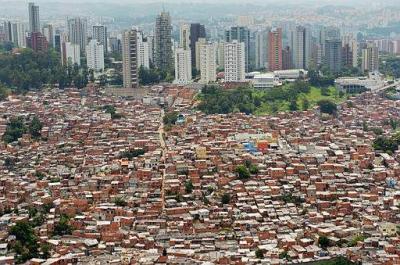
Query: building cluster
[[183, 200], [197, 54]]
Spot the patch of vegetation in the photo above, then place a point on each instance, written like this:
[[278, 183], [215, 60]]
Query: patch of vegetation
[[245, 171], [323, 242], [17, 127], [170, 118], [112, 110], [328, 107], [226, 198], [189, 186], [290, 198], [387, 144], [153, 76], [290, 97], [29, 70], [355, 240], [63, 227], [390, 66], [259, 254], [131, 154], [119, 201]]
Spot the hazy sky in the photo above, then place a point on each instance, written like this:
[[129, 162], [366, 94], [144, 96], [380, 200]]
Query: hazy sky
[[333, 2]]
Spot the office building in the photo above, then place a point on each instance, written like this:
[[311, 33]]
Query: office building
[[100, 34], [163, 42], [70, 54], [183, 66], [34, 18], [208, 63], [77, 32], [95, 56], [197, 31], [333, 55], [275, 50], [241, 34], [235, 61], [129, 59], [370, 58]]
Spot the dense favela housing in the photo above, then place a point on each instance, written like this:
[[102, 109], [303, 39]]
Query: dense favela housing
[[256, 135]]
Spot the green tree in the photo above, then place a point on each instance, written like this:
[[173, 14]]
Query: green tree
[[327, 106], [189, 186], [259, 254], [305, 104], [119, 201], [323, 242], [26, 245], [293, 105], [35, 127], [45, 251], [242, 172], [4, 92], [170, 118], [63, 227], [226, 198], [14, 130], [132, 154]]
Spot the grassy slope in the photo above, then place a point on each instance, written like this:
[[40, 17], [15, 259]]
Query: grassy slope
[[313, 97]]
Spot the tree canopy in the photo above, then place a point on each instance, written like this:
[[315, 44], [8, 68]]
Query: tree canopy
[[29, 70]]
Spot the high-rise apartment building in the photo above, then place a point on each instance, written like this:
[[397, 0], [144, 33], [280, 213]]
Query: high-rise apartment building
[[95, 56], [275, 49], [261, 49], [183, 66], [333, 55], [100, 34], [241, 34], [235, 61], [300, 41], [208, 63], [184, 37], [129, 59], [143, 51], [197, 52], [77, 32], [221, 54], [37, 42], [34, 18], [286, 58], [370, 58], [70, 54], [15, 32], [163, 42], [115, 45], [48, 32], [197, 31], [352, 43]]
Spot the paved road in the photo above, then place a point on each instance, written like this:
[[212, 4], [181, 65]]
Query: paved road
[[163, 158], [395, 84]]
